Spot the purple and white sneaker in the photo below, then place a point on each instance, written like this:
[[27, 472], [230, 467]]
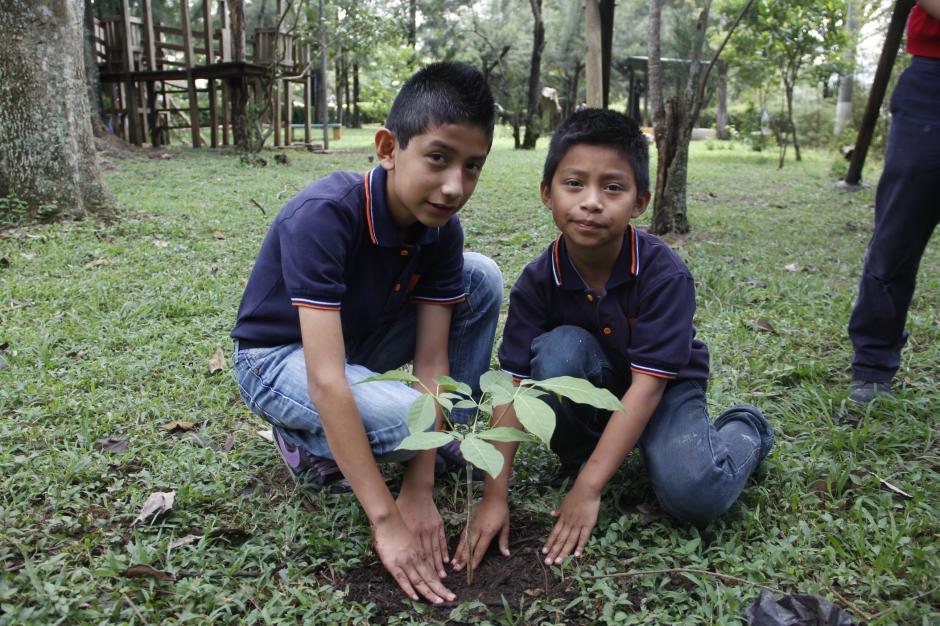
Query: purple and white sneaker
[[315, 473]]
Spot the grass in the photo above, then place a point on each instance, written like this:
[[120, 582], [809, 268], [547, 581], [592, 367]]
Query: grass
[[109, 327]]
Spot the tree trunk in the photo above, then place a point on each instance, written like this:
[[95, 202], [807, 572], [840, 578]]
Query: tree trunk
[[791, 125], [347, 98], [412, 23], [672, 147], [847, 78], [238, 87], [91, 74], [594, 63], [357, 116], [882, 75], [606, 8], [323, 82], [721, 119], [340, 111], [47, 155], [533, 121]]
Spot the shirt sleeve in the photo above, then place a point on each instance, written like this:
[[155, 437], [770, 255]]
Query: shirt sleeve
[[441, 282], [661, 335], [527, 319], [314, 244]]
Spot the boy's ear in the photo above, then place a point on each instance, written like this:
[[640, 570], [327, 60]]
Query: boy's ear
[[545, 191], [641, 203], [386, 145]]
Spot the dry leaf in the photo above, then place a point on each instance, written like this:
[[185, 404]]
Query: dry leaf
[[3, 364], [145, 571], [229, 443], [158, 503], [110, 445], [267, 435], [893, 488], [535, 592], [161, 243], [183, 541], [176, 426], [29, 256], [201, 441], [764, 326], [218, 235], [793, 267], [217, 361], [96, 263]]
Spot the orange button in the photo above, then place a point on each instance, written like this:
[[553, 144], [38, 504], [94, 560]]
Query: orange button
[[608, 330], [397, 286], [590, 298], [404, 253]]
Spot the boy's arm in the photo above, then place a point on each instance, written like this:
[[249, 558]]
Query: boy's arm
[[415, 502], [401, 555], [491, 517], [577, 514]]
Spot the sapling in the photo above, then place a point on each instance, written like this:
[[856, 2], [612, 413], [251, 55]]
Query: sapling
[[496, 391]]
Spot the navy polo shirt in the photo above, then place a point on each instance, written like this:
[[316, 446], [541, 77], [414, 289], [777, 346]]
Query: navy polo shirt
[[643, 321], [334, 246]]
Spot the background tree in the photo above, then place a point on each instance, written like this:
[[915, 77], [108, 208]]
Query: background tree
[[48, 165], [533, 124]]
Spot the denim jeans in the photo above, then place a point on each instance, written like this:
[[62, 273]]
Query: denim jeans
[[907, 211], [697, 469], [273, 381]]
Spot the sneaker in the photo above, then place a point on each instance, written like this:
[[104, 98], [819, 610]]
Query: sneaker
[[315, 473], [450, 461], [864, 391], [760, 422]]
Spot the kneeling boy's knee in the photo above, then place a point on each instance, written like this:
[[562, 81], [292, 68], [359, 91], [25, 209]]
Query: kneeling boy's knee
[[561, 352], [693, 502], [484, 278]]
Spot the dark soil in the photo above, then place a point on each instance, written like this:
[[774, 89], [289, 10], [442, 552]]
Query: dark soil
[[521, 578]]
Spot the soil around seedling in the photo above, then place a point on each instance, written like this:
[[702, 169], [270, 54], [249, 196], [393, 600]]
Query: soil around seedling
[[521, 578]]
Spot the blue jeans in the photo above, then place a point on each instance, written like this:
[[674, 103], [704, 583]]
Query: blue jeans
[[906, 212], [273, 381], [697, 469]]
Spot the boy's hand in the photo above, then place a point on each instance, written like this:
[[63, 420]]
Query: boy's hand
[[577, 516], [424, 521], [407, 562], [490, 518]]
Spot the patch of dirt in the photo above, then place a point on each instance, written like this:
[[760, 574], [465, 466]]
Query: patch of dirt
[[521, 579]]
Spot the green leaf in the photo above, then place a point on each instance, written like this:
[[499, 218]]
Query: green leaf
[[505, 433], [425, 440], [399, 375], [421, 414], [446, 403], [446, 383], [499, 385], [482, 454], [580, 391], [465, 404], [536, 416]]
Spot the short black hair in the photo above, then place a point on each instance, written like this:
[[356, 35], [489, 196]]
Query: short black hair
[[601, 127], [442, 93]]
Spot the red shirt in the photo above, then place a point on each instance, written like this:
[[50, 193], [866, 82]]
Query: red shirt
[[923, 34]]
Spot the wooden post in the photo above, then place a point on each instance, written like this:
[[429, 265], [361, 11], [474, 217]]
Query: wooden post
[[276, 111], [307, 105], [288, 114], [190, 80], [889, 53], [130, 91], [225, 46], [150, 50], [213, 114]]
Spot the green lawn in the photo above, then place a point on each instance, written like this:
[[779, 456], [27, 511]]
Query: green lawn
[[108, 328]]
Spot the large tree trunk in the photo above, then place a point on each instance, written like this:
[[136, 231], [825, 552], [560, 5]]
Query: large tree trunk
[[533, 122], [847, 78], [594, 63], [238, 88], [788, 87], [47, 152]]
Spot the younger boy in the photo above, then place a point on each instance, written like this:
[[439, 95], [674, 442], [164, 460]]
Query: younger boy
[[614, 305], [361, 274]]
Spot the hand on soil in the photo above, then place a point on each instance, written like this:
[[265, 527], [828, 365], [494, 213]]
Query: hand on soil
[[576, 518], [424, 521], [490, 518], [408, 563]]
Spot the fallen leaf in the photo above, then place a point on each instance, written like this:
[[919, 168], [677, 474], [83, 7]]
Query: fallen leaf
[[793, 267], [267, 435], [29, 256], [201, 441], [158, 503], [111, 445], [176, 426], [229, 443], [145, 571], [218, 234], [126, 468], [166, 155], [161, 243], [76, 354], [183, 541], [893, 488], [3, 364], [764, 326], [217, 361], [95, 263], [534, 592]]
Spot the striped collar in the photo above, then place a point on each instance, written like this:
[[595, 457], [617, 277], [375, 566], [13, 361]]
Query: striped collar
[[626, 268], [379, 224]]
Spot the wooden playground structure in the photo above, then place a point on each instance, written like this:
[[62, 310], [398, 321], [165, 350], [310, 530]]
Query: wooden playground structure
[[158, 77]]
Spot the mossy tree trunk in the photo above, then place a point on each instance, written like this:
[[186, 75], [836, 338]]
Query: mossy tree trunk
[[47, 155], [533, 121]]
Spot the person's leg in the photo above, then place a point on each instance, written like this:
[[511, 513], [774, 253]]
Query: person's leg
[[573, 351], [906, 213], [698, 469]]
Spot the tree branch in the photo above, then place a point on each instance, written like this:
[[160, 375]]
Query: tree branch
[[701, 88]]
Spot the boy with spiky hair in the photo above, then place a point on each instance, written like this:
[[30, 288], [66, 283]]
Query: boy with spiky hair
[[612, 304], [360, 274]]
